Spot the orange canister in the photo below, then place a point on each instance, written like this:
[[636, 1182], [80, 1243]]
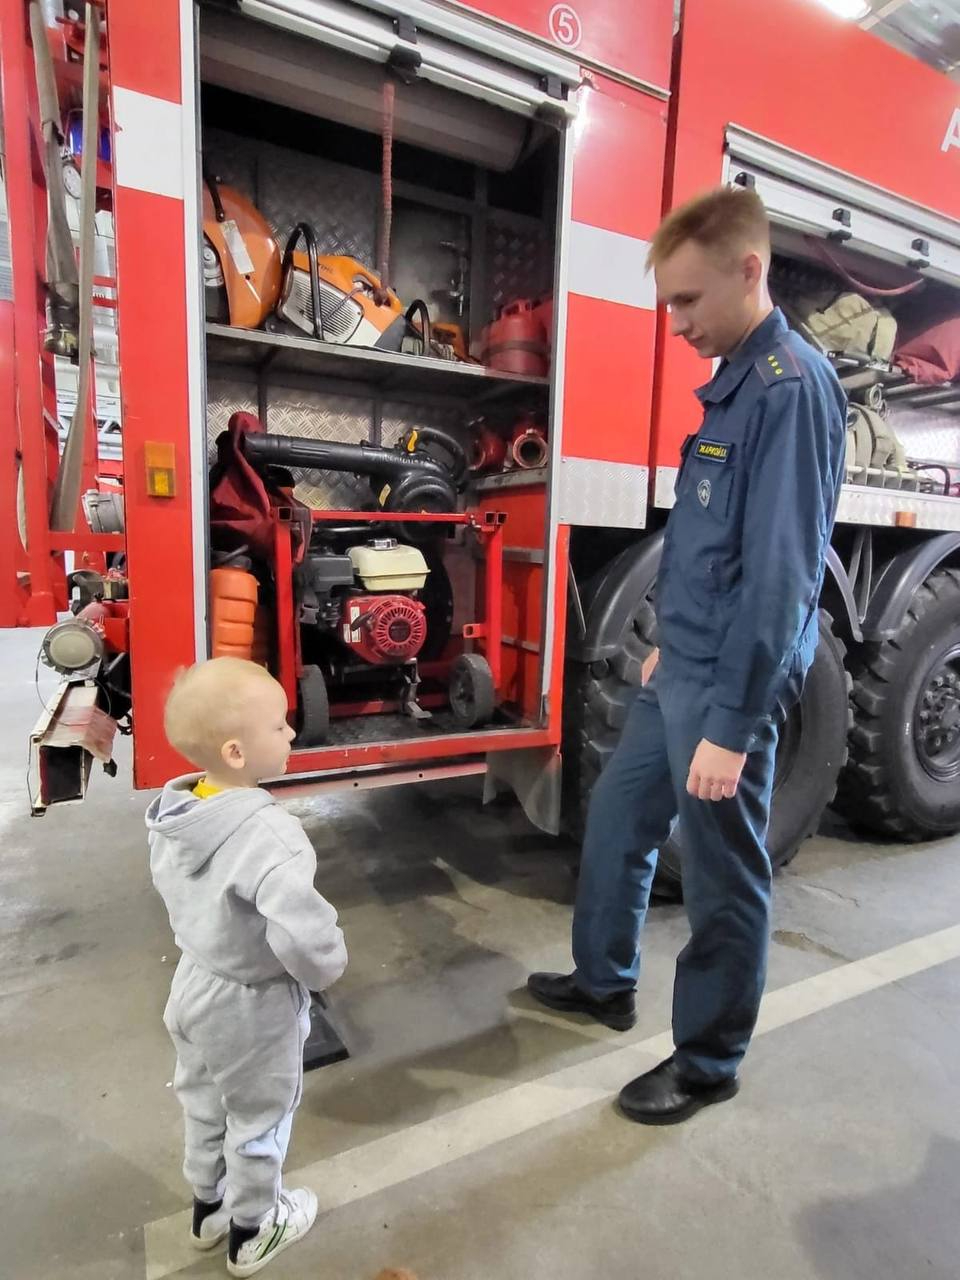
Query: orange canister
[[233, 609]]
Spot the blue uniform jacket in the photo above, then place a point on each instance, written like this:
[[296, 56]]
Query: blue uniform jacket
[[744, 553]]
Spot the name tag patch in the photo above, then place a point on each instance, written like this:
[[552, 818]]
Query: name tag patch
[[712, 450]]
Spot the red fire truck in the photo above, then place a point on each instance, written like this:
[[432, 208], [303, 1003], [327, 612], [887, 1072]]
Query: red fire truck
[[440, 523]]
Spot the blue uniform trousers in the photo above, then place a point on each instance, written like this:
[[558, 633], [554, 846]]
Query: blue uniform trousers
[[726, 874]]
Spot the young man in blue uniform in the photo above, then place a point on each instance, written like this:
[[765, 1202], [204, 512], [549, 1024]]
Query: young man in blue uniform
[[738, 588]]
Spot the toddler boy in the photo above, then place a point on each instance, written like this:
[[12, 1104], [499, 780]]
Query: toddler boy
[[236, 872]]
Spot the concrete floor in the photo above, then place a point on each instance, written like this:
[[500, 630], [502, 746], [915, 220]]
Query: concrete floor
[[469, 1136]]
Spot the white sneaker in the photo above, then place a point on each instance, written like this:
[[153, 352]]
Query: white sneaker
[[211, 1229], [285, 1225]]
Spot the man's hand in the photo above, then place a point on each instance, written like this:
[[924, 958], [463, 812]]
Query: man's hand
[[649, 666], [715, 772]]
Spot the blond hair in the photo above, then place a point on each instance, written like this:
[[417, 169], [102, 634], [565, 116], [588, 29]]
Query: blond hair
[[727, 222], [207, 704]]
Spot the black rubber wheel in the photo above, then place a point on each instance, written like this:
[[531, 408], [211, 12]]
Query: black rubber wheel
[[473, 698], [811, 753], [903, 776], [313, 708]]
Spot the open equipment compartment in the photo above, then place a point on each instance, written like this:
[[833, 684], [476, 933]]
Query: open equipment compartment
[[379, 632], [872, 280]]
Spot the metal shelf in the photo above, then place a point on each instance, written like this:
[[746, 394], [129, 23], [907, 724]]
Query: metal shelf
[[382, 371], [518, 479]]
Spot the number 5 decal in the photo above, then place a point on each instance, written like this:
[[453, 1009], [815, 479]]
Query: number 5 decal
[[565, 26]]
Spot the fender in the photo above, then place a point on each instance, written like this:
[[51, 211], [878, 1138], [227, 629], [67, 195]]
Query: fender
[[898, 581], [612, 597], [846, 597], [614, 592]]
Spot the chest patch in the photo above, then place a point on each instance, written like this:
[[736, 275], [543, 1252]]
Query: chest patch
[[712, 450], [703, 492]]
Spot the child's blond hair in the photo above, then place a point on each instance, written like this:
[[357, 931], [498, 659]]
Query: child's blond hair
[[205, 707]]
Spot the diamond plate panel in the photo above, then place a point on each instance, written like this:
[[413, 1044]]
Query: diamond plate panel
[[929, 433], [225, 397], [232, 160], [608, 495], [399, 418], [339, 203], [519, 262], [288, 187], [664, 485], [862, 505], [322, 416]]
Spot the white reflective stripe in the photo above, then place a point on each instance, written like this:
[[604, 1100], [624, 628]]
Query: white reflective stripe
[[148, 143], [611, 267]]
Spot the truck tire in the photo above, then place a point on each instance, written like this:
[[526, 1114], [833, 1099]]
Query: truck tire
[[597, 697], [811, 754], [903, 776]]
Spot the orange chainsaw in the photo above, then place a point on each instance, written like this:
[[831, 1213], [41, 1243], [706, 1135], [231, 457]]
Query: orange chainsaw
[[241, 259], [336, 299]]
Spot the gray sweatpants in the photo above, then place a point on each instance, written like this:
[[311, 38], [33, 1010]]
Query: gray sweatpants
[[239, 1078]]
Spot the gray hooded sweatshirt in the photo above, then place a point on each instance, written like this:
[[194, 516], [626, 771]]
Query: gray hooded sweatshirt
[[236, 873]]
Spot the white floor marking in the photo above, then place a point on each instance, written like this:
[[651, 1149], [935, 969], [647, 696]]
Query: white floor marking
[[421, 1148]]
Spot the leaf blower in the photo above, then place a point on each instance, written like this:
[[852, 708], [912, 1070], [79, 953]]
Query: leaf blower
[[406, 478]]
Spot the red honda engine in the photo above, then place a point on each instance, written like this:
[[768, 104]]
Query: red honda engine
[[384, 629]]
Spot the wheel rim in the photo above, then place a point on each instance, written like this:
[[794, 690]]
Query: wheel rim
[[462, 694], [936, 718]]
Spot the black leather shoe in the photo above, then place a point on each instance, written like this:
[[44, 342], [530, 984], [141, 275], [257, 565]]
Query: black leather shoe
[[560, 991], [663, 1096]]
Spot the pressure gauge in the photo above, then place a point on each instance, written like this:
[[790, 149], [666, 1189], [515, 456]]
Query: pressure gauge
[[72, 180]]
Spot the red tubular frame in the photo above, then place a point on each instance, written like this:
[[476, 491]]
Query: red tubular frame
[[493, 594], [489, 529], [288, 634]]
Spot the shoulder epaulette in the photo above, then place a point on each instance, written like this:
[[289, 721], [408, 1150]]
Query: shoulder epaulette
[[779, 365]]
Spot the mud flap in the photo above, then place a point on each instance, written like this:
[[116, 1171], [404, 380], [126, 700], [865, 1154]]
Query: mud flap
[[533, 775]]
